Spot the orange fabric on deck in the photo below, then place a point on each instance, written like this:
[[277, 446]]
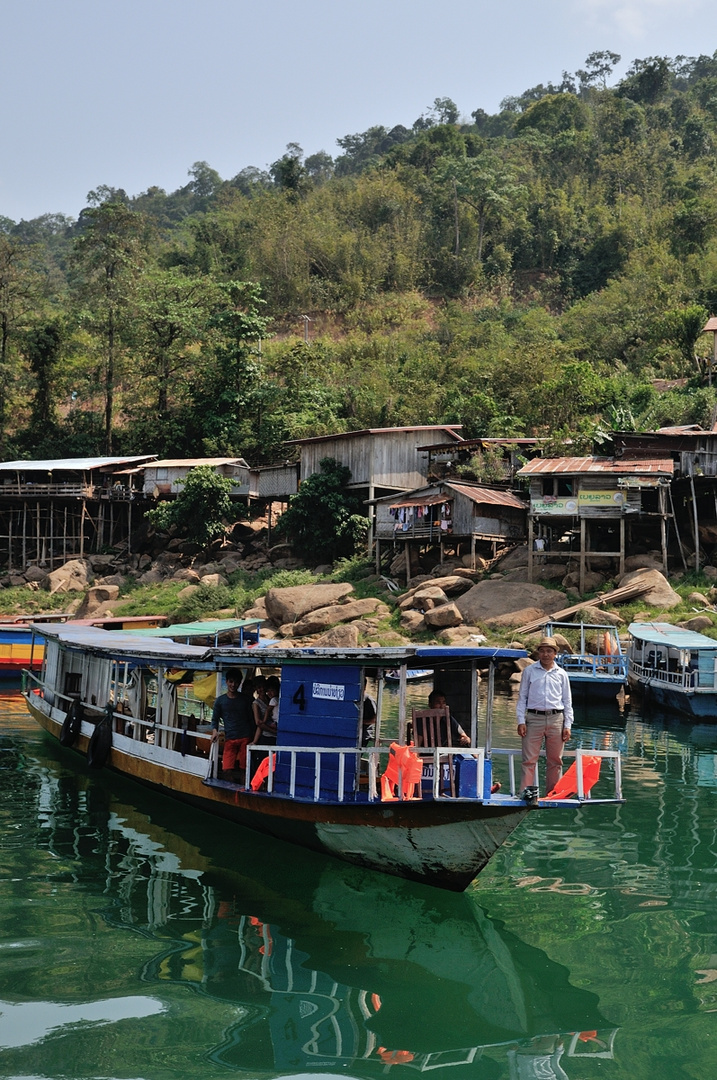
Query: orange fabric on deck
[[568, 784]]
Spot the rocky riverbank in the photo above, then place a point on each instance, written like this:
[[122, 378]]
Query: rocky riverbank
[[349, 605]]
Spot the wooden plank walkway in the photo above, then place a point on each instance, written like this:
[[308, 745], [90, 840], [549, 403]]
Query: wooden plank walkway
[[617, 596]]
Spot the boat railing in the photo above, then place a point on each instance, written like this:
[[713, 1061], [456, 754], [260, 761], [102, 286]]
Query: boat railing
[[597, 665], [126, 723], [682, 679], [347, 769]]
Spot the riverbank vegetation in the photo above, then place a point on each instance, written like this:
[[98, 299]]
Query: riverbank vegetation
[[546, 269]]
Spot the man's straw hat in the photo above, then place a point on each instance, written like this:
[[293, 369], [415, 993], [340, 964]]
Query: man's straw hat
[[549, 642]]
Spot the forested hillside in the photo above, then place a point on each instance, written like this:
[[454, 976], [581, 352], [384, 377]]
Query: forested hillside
[[545, 270]]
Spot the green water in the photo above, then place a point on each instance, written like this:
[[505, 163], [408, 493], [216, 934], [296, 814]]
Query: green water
[[140, 939]]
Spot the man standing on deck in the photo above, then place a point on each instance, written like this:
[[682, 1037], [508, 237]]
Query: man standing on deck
[[544, 711], [234, 709]]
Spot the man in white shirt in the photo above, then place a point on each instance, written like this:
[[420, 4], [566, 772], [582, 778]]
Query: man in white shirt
[[544, 711]]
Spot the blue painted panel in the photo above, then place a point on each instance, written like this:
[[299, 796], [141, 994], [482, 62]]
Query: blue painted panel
[[321, 702], [319, 706]]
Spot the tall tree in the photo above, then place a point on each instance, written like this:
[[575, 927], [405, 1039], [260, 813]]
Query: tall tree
[[41, 347], [171, 316], [19, 296], [107, 257]]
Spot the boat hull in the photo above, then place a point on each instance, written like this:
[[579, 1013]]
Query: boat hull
[[445, 844], [599, 689], [695, 705]]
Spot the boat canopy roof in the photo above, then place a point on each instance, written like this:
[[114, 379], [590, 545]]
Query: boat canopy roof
[[151, 647], [127, 645], [210, 628], [675, 637]]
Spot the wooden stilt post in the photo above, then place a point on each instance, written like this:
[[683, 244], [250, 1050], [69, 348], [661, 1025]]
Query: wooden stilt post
[[583, 538], [378, 556], [677, 531], [129, 527], [64, 539], [663, 530], [24, 536], [530, 548], [37, 530], [695, 524], [408, 563], [622, 546], [268, 524], [371, 518], [473, 551], [52, 534], [9, 545], [82, 531]]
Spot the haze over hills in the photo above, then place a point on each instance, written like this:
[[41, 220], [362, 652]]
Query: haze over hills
[[531, 271]]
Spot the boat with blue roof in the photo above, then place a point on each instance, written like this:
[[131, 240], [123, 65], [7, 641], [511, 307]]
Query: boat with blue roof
[[674, 668], [432, 812]]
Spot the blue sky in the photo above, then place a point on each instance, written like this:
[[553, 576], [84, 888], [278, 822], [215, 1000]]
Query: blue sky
[[130, 94]]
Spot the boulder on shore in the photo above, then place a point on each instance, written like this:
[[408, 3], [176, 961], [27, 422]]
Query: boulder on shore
[[315, 622], [660, 593], [439, 618], [73, 576], [96, 599], [339, 637], [493, 598], [288, 605]]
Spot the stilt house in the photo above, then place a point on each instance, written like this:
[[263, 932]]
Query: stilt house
[[52, 511], [596, 507], [450, 515]]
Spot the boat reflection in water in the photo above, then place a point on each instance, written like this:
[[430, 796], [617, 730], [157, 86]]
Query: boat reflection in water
[[333, 969]]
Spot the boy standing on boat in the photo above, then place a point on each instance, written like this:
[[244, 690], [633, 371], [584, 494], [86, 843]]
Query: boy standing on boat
[[234, 709], [544, 711]]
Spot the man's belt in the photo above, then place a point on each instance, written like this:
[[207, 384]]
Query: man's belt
[[545, 712]]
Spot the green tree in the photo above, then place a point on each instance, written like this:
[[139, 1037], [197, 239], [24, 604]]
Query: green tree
[[41, 347], [19, 298], [202, 509], [171, 314], [683, 327], [108, 255], [322, 521]]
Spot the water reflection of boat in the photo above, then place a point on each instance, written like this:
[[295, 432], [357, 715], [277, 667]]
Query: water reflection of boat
[[344, 969]]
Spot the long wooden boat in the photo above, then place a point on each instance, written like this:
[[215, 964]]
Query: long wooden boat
[[674, 668], [596, 672], [113, 696]]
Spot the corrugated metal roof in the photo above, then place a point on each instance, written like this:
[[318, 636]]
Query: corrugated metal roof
[[658, 633], [711, 324], [469, 444], [451, 429], [192, 463], [421, 500], [70, 464], [489, 495], [609, 466], [679, 429]]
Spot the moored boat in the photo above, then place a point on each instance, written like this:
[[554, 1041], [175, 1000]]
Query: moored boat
[[430, 813], [674, 668], [21, 645], [598, 666]]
